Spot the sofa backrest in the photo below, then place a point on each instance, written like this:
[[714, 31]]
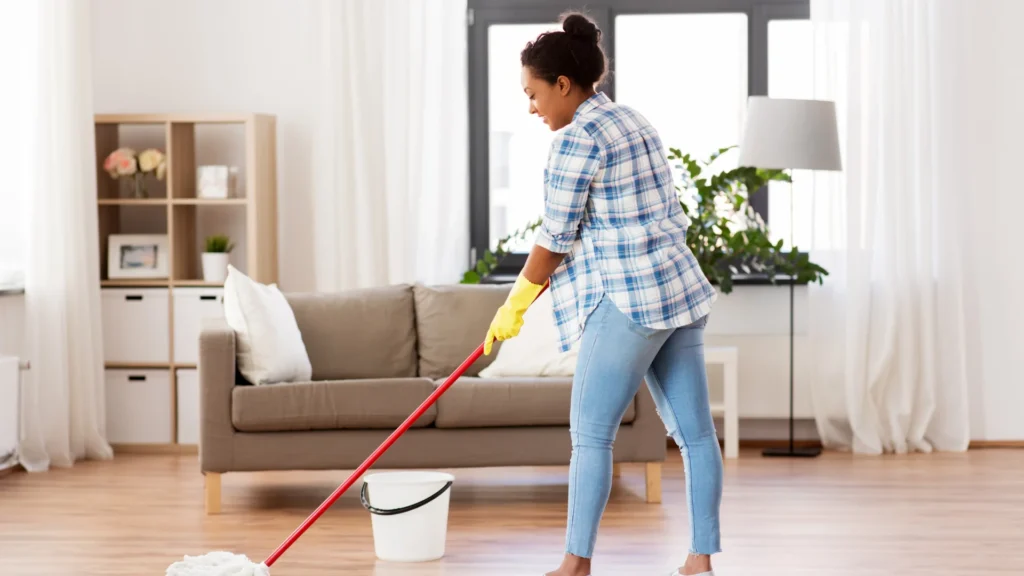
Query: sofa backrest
[[368, 333], [451, 321]]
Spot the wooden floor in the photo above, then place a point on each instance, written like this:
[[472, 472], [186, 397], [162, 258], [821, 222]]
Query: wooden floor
[[928, 515]]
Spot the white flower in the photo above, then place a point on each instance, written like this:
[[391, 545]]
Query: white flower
[[150, 159]]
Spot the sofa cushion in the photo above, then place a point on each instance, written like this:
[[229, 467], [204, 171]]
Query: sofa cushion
[[330, 405], [451, 321], [484, 403], [369, 333], [270, 346]]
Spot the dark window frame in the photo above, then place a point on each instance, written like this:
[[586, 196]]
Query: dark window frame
[[484, 13]]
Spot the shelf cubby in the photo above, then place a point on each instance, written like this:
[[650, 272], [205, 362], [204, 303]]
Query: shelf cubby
[[110, 136], [194, 222], [129, 218]]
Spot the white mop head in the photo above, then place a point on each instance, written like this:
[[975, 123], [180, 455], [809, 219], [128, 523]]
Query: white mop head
[[217, 564]]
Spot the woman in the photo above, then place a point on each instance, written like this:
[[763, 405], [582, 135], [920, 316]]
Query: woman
[[612, 244]]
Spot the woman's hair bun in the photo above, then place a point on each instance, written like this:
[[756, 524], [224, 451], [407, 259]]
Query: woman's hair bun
[[576, 24], [575, 53]]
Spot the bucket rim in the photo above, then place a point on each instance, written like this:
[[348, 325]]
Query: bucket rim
[[407, 477]]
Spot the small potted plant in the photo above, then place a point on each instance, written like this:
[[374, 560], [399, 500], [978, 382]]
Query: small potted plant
[[215, 258]]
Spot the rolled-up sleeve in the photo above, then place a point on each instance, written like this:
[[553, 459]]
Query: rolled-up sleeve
[[574, 161]]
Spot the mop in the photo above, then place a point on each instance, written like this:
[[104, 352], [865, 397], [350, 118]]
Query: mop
[[222, 563]]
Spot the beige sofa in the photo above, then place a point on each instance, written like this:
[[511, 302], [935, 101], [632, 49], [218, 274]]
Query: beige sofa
[[376, 355]]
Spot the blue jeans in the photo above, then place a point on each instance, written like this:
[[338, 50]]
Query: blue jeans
[[615, 355]]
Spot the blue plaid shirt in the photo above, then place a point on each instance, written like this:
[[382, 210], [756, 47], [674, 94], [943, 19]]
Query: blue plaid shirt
[[611, 206]]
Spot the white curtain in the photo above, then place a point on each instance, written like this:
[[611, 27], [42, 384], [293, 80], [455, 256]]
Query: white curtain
[[63, 407], [391, 150], [888, 326]]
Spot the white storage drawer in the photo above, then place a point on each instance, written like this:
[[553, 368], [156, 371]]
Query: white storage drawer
[[10, 386], [191, 306], [136, 325], [139, 406], [188, 406]]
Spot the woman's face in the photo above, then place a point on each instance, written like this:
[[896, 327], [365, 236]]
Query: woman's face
[[552, 102]]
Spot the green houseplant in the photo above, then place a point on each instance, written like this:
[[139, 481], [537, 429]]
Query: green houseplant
[[727, 237], [491, 259], [215, 258]]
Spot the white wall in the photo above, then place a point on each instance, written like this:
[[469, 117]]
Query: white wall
[[990, 87], [222, 56]]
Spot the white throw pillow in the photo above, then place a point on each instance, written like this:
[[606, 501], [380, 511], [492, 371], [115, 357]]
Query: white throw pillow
[[534, 352], [269, 345]]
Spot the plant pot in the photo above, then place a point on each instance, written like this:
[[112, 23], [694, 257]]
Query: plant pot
[[215, 267]]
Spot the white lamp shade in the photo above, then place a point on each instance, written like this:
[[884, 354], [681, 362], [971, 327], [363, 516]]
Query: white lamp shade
[[790, 134]]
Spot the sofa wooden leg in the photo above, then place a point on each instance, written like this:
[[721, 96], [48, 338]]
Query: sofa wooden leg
[[211, 492], [617, 471], [653, 474]]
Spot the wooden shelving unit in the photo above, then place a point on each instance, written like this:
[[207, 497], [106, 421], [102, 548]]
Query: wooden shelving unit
[[177, 212], [136, 365], [132, 201], [209, 202], [194, 284], [131, 283]]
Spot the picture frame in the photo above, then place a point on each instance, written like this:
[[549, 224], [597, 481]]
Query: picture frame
[[138, 256]]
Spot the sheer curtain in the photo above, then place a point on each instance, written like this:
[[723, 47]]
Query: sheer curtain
[[63, 406], [391, 192], [16, 63], [888, 326]]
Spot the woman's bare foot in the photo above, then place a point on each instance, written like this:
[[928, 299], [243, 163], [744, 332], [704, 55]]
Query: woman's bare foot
[[572, 566], [696, 564]]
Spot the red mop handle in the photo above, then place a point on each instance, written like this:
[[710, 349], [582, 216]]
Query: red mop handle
[[378, 452]]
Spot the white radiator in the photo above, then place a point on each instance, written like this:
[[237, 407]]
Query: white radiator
[[10, 379]]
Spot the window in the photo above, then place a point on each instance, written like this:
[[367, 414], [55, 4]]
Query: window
[[705, 57], [701, 94], [17, 60], [518, 142]]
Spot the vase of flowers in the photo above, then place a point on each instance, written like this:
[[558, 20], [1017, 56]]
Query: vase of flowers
[[215, 258], [125, 165]]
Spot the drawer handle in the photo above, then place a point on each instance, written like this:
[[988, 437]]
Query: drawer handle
[[208, 297], [133, 297], [135, 378]]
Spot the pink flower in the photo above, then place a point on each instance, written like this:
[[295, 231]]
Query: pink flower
[[126, 166], [121, 162]]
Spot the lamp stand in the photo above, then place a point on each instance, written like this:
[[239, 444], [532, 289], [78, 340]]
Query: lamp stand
[[792, 451]]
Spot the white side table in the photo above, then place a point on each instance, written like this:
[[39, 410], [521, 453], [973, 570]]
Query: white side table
[[728, 409]]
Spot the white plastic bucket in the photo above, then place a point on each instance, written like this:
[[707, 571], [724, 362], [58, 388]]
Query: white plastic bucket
[[409, 513]]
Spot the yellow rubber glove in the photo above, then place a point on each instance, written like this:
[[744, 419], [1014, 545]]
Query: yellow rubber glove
[[509, 318]]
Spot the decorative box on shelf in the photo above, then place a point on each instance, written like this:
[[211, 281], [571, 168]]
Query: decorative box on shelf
[[216, 181]]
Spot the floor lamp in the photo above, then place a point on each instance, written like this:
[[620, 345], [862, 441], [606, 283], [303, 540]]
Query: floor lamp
[[787, 134]]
